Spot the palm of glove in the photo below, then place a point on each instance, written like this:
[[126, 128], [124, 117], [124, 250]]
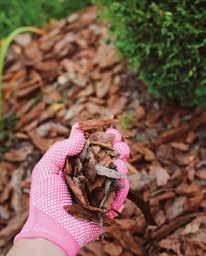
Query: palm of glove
[[49, 192]]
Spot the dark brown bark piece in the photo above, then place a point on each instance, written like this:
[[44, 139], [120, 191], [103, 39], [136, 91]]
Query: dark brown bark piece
[[88, 213], [143, 206], [76, 190]]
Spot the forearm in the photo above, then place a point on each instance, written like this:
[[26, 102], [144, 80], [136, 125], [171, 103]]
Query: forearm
[[35, 247]]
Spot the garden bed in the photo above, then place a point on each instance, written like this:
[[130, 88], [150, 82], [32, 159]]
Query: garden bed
[[72, 73]]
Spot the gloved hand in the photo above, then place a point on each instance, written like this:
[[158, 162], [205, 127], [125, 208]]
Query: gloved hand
[[49, 194]]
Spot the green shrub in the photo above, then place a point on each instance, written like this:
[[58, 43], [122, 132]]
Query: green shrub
[[17, 13], [165, 41]]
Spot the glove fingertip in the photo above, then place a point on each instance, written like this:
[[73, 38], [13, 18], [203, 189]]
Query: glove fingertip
[[76, 130], [122, 149], [121, 166], [120, 198], [116, 133]]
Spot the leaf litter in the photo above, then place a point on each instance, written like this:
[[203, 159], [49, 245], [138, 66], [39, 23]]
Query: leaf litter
[[70, 74]]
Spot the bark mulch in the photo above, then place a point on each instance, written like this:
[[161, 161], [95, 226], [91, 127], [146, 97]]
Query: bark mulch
[[71, 72]]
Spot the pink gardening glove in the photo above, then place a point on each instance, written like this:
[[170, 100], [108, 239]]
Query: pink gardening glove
[[49, 194]]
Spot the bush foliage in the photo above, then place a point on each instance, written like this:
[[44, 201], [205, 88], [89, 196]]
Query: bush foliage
[[165, 41], [17, 13]]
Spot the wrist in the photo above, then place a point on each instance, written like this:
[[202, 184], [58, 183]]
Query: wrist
[[40, 225], [35, 247]]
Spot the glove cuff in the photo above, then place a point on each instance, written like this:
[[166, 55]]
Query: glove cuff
[[40, 225]]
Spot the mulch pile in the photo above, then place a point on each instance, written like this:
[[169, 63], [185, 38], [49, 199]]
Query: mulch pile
[[91, 176], [94, 181], [71, 72]]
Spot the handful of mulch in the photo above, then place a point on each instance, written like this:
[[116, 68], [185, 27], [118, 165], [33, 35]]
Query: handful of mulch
[[92, 177]]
